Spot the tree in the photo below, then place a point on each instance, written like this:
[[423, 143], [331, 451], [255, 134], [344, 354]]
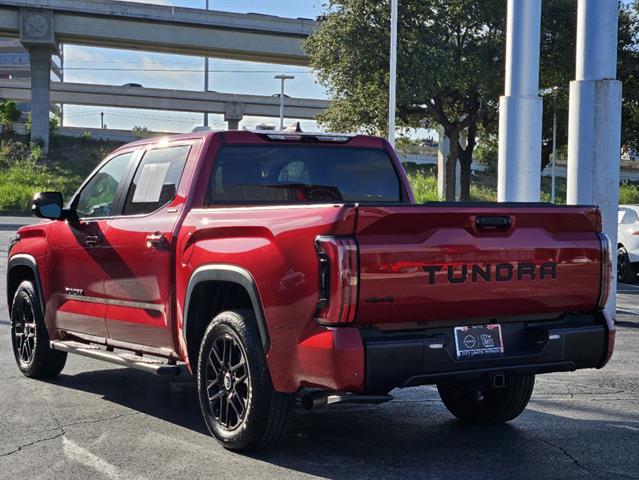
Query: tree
[[557, 70], [9, 114], [449, 69]]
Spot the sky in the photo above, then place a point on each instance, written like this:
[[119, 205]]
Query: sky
[[117, 67]]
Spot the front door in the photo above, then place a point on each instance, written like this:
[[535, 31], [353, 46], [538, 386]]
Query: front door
[[139, 251], [77, 270]]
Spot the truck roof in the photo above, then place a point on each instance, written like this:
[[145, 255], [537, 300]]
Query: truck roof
[[255, 136]]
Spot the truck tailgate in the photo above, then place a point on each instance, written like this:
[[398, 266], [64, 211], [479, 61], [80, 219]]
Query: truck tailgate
[[433, 264]]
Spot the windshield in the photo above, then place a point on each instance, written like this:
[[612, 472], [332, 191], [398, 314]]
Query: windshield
[[299, 174]]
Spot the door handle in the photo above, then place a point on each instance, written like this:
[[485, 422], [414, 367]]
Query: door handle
[[93, 240], [156, 240]]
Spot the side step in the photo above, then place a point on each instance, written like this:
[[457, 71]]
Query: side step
[[126, 360]]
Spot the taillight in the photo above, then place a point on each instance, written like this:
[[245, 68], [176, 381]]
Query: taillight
[[339, 279], [606, 269]]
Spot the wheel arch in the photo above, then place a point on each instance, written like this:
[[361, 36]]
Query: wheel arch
[[19, 268], [212, 282]]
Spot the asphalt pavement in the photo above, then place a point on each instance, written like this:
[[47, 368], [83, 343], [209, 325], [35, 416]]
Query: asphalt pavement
[[100, 421]]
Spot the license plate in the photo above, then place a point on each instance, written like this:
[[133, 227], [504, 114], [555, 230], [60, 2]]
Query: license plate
[[478, 340]]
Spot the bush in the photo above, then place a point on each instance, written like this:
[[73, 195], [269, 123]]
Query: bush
[[629, 194], [9, 114]]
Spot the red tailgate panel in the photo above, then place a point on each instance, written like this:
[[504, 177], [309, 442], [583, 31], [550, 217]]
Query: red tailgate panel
[[409, 254]]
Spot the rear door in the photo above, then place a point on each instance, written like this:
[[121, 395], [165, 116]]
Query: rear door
[[139, 249], [430, 264]]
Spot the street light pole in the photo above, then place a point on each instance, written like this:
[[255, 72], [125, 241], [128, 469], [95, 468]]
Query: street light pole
[[554, 149], [392, 85], [283, 78], [206, 78]]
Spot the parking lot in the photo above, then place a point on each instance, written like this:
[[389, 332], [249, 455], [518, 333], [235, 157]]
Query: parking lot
[[97, 420]]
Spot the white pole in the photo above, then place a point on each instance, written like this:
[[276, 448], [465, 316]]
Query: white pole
[[594, 120], [282, 78], [206, 78], [392, 85], [520, 109], [554, 154]]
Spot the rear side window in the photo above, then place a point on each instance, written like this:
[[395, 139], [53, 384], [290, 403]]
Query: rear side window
[[156, 179], [302, 174]]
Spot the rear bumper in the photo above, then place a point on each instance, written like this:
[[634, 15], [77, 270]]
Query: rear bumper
[[427, 357]]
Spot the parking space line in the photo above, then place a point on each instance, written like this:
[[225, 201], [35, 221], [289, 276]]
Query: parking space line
[[85, 457]]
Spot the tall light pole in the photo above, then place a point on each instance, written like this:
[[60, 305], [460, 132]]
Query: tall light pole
[[392, 84], [206, 78], [554, 147], [594, 121], [520, 108], [283, 78]]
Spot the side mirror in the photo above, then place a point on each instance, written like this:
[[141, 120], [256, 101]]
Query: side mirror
[[47, 205]]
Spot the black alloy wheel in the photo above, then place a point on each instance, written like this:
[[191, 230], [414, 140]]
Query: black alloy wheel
[[34, 356], [24, 330], [227, 381], [240, 407]]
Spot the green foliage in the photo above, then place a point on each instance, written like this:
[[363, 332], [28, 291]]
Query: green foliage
[[449, 61], [9, 114], [141, 132], [423, 180], [629, 194], [21, 176], [486, 152]]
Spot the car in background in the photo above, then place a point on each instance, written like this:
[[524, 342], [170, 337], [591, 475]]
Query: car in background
[[136, 85], [628, 243]]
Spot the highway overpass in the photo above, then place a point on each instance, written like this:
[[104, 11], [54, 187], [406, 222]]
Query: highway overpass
[[160, 28], [42, 24], [232, 106]]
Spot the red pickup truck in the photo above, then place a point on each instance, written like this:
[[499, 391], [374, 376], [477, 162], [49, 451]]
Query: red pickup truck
[[273, 264]]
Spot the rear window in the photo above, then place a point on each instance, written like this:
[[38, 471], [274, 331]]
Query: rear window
[[302, 174]]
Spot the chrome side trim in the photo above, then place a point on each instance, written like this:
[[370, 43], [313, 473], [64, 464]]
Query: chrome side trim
[[233, 274], [120, 303]]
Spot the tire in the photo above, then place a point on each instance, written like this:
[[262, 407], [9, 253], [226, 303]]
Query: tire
[[29, 337], [240, 407], [626, 272], [494, 405]]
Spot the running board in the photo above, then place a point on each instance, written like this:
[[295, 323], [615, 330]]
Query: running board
[[126, 360]]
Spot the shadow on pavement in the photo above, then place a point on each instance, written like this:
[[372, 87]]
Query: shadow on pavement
[[412, 437]]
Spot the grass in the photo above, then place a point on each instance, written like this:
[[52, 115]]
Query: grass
[[23, 173]]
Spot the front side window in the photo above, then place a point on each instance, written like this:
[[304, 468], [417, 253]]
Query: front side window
[[98, 197], [156, 179], [302, 174]]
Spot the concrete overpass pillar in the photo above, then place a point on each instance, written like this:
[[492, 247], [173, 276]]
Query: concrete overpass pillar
[[36, 35], [520, 108], [234, 112], [594, 120], [40, 58]]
